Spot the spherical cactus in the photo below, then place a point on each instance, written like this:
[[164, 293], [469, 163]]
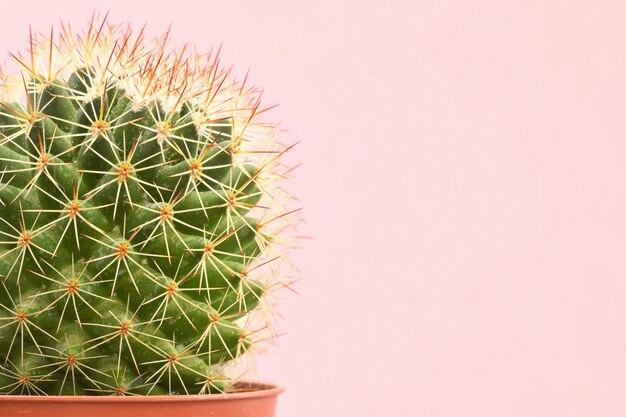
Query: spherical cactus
[[142, 218]]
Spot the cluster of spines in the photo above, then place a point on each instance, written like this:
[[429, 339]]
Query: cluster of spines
[[141, 220]]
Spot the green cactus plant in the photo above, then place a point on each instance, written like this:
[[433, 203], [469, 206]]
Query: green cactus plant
[[141, 217]]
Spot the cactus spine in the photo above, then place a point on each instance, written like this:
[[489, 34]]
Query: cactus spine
[[141, 217]]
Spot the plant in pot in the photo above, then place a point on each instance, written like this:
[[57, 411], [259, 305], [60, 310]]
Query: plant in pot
[[143, 227]]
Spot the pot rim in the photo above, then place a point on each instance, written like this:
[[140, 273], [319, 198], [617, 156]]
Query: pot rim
[[257, 390]]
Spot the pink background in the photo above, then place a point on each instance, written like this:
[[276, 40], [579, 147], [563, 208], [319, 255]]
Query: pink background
[[464, 179]]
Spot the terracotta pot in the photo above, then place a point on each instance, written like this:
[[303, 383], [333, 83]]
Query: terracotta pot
[[258, 400]]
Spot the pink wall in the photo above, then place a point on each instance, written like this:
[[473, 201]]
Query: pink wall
[[464, 180]]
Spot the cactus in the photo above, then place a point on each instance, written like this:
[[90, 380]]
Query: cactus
[[142, 218]]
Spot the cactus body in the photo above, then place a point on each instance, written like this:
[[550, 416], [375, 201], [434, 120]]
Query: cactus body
[[138, 197]]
